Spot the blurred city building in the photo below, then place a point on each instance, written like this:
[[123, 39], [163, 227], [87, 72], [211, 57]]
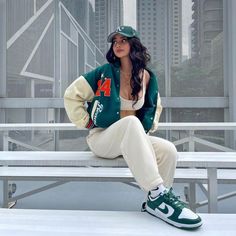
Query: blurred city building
[[160, 21], [108, 16], [207, 25]]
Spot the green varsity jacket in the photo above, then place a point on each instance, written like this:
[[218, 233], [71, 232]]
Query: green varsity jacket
[[93, 100]]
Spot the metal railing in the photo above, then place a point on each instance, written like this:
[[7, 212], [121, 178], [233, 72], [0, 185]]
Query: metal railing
[[189, 138]]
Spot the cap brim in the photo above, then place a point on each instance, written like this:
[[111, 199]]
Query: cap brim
[[110, 36]]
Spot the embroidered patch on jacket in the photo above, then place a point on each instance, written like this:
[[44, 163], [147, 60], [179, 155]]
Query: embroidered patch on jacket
[[97, 108], [105, 87]]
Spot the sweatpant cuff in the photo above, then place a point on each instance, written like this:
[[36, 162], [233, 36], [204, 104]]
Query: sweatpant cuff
[[153, 184]]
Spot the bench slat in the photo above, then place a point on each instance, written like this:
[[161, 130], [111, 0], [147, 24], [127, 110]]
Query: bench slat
[[87, 158], [59, 158], [181, 175]]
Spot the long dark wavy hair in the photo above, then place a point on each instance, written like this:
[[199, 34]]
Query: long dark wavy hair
[[139, 58]]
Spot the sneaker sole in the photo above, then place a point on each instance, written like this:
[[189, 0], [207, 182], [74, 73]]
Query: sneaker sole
[[176, 224]]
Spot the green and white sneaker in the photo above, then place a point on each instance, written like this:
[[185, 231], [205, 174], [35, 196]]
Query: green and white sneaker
[[169, 208]]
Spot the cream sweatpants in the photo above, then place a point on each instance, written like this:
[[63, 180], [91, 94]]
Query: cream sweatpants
[[152, 160]]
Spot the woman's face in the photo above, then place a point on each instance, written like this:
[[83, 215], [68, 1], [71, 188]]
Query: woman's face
[[121, 46]]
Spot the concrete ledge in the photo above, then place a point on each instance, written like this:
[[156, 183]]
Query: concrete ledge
[[26, 222]]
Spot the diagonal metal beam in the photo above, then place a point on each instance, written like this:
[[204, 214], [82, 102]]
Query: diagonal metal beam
[[27, 24], [38, 190]]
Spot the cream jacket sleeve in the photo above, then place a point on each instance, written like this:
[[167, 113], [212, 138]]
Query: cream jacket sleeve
[[75, 98], [157, 115]]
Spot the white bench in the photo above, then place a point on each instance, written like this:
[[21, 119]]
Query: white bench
[[70, 166], [20, 222]]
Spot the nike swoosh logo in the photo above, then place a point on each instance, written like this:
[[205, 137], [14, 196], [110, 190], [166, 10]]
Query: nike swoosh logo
[[164, 210]]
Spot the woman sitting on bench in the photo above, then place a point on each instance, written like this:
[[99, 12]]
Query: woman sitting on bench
[[123, 106]]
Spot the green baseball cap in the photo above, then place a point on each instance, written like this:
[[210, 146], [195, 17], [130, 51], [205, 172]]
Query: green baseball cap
[[126, 31]]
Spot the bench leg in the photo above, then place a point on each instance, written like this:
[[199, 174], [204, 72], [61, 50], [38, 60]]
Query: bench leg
[[192, 196], [5, 193], [212, 190]]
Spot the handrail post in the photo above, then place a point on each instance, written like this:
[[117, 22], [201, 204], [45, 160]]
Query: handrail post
[[212, 190], [5, 193], [191, 141], [5, 141]]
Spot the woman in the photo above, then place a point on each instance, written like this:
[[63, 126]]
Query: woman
[[123, 107]]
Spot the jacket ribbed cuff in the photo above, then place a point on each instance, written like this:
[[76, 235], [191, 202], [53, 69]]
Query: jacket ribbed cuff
[[90, 124]]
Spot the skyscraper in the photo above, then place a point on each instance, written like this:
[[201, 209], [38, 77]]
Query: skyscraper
[[155, 18], [207, 24], [108, 16], [176, 31]]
